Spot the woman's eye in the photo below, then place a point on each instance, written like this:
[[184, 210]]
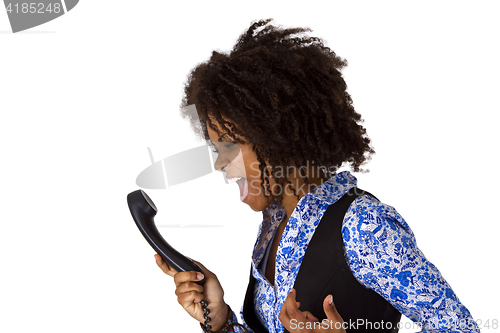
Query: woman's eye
[[227, 146]]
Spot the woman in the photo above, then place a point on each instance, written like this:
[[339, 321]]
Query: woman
[[328, 257]]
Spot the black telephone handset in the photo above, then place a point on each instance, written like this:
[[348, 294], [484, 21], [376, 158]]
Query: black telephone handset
[[143, 211]]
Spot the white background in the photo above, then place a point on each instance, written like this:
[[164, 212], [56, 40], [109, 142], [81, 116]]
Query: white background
[[83, 96]]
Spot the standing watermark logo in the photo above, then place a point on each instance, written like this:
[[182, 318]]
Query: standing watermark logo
[[178, 168], [192, 163], [25, 15]]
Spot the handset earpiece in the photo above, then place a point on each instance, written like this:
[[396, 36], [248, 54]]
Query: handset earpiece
[[143, 211]]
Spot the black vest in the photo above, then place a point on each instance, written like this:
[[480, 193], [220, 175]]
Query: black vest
[[324, 271]]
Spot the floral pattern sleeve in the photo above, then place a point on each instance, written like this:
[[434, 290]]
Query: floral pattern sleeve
[[382, 253], [237, 329]]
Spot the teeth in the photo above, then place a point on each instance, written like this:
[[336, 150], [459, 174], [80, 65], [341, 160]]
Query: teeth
[[234, 180]]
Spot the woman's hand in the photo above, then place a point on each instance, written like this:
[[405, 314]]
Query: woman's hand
[[190, 294], [296, 321]]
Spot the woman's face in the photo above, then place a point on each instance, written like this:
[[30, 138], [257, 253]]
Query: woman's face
[[239, 160]]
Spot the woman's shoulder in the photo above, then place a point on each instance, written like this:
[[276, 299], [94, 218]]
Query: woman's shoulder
[[368, 214], [382, 253], [378, 241]]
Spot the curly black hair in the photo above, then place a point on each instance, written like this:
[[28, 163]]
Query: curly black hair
[[285, 95]]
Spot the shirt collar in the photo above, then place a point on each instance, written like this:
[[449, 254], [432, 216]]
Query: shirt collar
[[325, 194], [337, 185]]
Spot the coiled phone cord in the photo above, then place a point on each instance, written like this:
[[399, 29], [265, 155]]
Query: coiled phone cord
[[228, 327]]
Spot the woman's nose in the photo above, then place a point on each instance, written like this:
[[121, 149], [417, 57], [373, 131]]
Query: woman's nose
[[220, 164]]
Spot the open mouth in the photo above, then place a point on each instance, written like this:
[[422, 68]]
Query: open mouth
[[243, 185]]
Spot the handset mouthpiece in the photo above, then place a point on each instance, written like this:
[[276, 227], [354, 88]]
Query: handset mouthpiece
[[149, 201], [143, 211]]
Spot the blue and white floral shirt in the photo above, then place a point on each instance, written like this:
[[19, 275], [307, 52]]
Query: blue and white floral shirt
[[380, 249]]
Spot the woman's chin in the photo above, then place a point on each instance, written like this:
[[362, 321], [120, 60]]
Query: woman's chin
[[257, 205]]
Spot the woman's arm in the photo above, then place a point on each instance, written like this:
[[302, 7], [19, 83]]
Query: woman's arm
[[382, 253]]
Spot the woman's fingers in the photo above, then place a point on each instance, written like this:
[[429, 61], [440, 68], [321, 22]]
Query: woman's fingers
[[205, 270], [164, 266], [290, 311], [183, 277], [309, 316], [188, 298], [190, 294], [296, 321], [331, 310], [187, 287]]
